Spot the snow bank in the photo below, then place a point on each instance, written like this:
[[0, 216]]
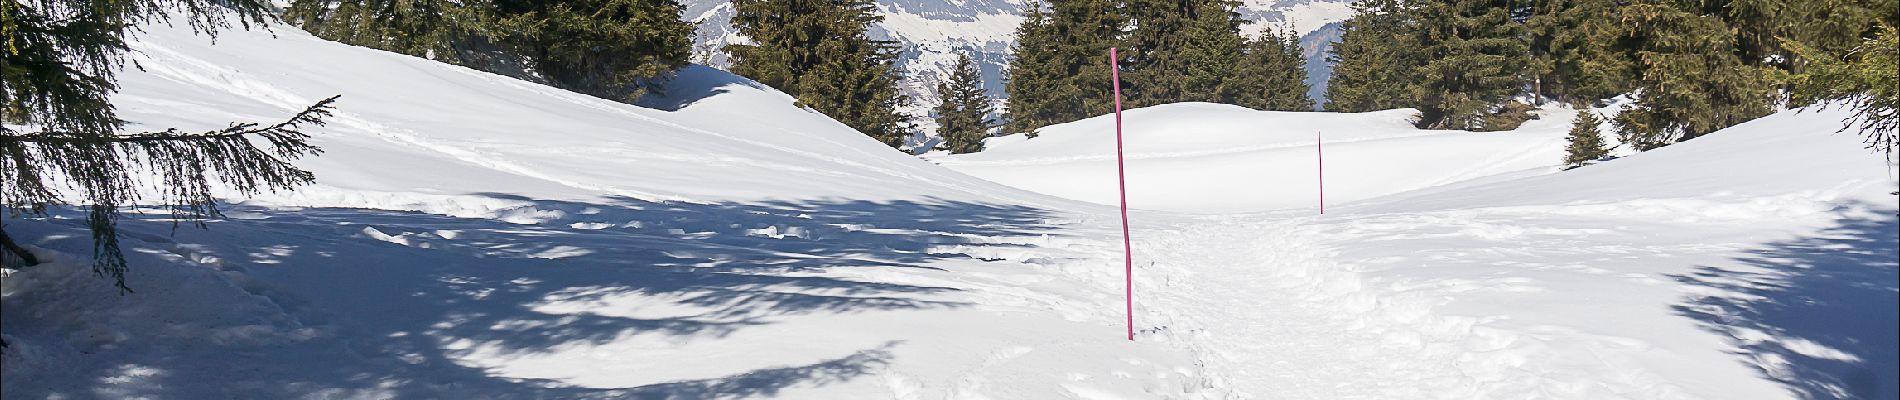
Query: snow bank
[[1201, 157]]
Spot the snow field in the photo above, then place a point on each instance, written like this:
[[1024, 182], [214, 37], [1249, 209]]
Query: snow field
[[472, 236]]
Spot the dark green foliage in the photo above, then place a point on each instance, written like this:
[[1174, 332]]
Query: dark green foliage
[[1691, 66], [963, 119], [620, 49], [615, 49], [1274, 74], [1865, 77], [1686, 86], [819, 51], [1456, 61], [62, 142], [1061, 72], [1373, 65], [1572, 51], [1475, 59], [1586, 141], [466, 33], [1184, 50]]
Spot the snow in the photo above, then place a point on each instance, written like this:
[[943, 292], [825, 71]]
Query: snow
[[472, 236], [1203, 157]]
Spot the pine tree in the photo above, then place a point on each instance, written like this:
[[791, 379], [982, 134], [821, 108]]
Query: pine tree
[[1276, 74], [1586, 141], [1690, 80], [613, 49], [1030, 66], [820, 52], [1476, 59], [1570, 44], [1212, 56], [1062, 56], [1865, 78], [1372, 68], [61, 133], [963, 119]]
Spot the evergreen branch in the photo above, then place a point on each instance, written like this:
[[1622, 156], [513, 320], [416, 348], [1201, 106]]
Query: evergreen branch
[[311, 115]]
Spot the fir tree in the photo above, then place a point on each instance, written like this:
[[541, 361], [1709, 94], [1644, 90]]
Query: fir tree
[[1184, 50], [1570, 44], [1372, 70], [614, 49], [61, 138], [1586, 141], [1031, 61], [1475, 59], [1275, 70], [963, 119], [820, 52], [1062, 57], [1689, 79], [1865, 78]]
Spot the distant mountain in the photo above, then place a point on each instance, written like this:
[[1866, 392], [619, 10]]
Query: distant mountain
[[933, 31], [1315, 45]]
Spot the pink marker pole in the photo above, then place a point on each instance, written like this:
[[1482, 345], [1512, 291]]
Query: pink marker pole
[[1319, 144], [1128, 248]]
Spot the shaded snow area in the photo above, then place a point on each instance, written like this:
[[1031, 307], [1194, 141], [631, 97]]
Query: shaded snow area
[[472, 236]]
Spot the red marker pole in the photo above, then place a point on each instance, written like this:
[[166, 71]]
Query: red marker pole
[[1128, 248], [1319, 144]]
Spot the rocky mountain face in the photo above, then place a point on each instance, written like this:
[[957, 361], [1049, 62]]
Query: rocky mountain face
[[932, 32]]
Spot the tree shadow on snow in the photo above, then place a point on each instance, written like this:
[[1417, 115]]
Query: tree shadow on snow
[[415, 293], [695, 83], [1817, 313]]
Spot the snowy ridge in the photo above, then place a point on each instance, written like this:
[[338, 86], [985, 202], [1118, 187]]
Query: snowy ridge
[[1190, 156]]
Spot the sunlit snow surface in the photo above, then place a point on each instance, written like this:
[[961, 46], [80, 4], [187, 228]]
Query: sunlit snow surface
[[472, 236]]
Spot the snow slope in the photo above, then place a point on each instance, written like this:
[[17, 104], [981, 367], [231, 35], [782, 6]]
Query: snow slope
[[1201, 157], [472, 236], [1755, 263]]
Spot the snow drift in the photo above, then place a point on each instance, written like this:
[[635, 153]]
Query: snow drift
[[1202, 157]]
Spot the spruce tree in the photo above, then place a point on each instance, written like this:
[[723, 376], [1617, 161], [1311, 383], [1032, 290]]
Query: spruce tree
[[1865, 78], [1690, 78], [61, 142], [963, 119], [1029, 71], [613, 49], [820, 52], [1212, 56], [1063, 55], [1571, 44], [1275, 71], [1586, 141], [1475, 59], [1372, 66]]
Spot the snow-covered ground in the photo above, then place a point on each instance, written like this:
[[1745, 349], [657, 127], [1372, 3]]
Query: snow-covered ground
[[472, 236]]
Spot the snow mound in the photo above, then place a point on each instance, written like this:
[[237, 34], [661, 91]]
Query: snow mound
[[1201, 157]]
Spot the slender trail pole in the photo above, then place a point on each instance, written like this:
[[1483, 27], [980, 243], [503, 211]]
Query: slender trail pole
[[1128, 249], [1319, 144]]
